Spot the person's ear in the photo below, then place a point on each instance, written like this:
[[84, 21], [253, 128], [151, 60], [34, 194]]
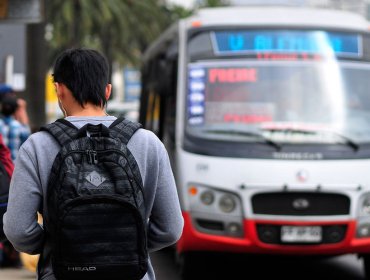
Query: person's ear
[[59, 90], [108, 91]]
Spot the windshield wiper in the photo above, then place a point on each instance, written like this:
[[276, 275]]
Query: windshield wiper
[[347, 140], [245, 133]]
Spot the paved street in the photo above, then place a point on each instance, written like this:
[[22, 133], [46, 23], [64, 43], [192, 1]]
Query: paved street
[[213, 267], [339, 268], [16, 274]]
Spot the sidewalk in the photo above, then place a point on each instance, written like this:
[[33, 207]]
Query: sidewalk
[[16, 274]]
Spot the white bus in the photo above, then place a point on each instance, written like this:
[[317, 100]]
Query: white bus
[[265, 112]]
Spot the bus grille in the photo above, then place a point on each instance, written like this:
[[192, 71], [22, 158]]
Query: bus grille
[[300, 204]]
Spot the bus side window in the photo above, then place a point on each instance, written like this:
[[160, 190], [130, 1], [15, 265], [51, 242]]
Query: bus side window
[[153, 112], [167, 103], [158, 96], [170, 117], [157, 88]]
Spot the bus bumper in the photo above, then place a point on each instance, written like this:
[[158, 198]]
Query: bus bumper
[[193, 240]]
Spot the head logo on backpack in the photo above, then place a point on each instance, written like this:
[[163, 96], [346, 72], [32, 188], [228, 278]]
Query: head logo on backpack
[[96, 210]]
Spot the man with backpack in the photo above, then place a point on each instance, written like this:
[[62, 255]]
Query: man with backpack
[[104, 185]]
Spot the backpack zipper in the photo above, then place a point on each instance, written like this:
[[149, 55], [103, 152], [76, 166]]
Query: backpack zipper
[[92, 156]]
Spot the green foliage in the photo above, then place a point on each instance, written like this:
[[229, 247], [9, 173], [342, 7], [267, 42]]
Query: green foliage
[[121, 29], [178, 12], [213, 3]]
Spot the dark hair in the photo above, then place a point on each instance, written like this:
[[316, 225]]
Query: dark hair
[[9, 105], [85, 73]]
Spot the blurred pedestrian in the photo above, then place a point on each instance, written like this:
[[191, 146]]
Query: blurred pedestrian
[[8, 256], [5, 89], [14, 124], [15, 130]]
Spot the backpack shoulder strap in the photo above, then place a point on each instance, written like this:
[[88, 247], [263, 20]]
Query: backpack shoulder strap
[[62, 130], [124, 129]]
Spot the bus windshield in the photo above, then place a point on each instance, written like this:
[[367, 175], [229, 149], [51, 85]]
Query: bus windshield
[[273, 96], [285, 97]]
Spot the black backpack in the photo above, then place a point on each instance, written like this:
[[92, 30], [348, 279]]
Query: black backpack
[[4, 194], [95, 200]]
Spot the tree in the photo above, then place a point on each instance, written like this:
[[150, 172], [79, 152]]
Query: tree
[[177, 12], [213, 3], [121, 29]]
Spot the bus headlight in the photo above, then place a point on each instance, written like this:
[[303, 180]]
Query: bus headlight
[[363, 209], [227, 203], [215, 210], [363, 230], [207, 197], [363, 220], [365, 206], [213, 200]]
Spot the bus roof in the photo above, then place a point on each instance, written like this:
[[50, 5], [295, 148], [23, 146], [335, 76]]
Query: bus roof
[[264, 16], [279, 16]]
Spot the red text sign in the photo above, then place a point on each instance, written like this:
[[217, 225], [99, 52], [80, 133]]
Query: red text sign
[[232, 75]]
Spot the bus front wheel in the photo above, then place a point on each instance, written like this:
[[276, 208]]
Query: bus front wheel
[[366, 260], [189, 265]]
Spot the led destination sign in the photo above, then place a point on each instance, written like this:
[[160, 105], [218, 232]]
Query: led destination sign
[[287, 41], [232, 75]]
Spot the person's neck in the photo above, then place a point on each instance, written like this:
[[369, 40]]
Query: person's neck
[[87, 111]]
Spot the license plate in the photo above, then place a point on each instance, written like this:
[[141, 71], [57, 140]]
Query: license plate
[[294, 234]]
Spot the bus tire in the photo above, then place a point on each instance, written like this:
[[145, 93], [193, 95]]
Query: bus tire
[[366, 261], [188, 265]]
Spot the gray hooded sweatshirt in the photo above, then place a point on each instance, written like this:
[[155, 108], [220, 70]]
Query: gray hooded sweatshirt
[[30, 179]]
